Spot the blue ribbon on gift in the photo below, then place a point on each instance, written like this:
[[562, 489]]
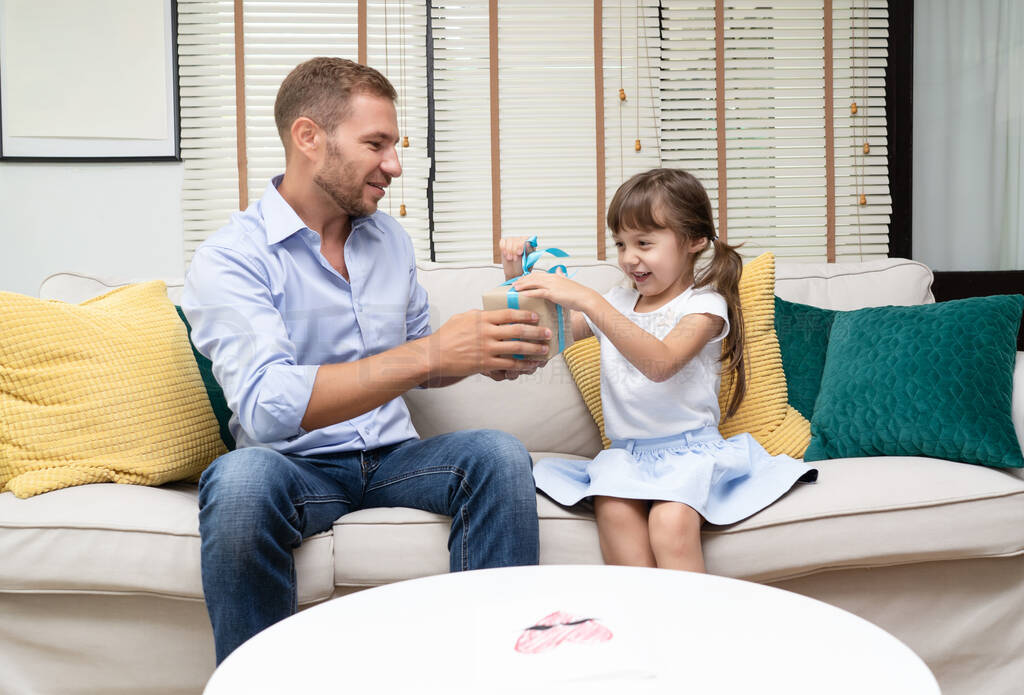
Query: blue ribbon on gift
[[528, 263]]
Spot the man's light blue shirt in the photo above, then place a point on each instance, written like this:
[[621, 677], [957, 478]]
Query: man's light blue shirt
[[268, 309]]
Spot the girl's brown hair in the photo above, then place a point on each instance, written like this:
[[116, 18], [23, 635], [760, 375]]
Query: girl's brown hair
[[674, 199]]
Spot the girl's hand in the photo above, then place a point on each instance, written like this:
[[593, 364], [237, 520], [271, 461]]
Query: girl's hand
[[513, 248], [557, 288], [529, 367]]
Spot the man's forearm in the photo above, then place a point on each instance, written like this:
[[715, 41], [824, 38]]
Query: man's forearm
[[441, 381], [346, 390]]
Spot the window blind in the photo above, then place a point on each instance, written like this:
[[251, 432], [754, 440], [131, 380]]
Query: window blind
[[774, 75], [661, 54], [860, 47], [206, 79], [277, 37], [396, 45], [632, 62], [462, 185], [546, 114], [280, 35]]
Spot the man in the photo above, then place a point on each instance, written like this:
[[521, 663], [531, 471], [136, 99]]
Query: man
[[308, 305]]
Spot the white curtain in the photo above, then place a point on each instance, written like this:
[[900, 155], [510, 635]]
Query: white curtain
[[969, 134]]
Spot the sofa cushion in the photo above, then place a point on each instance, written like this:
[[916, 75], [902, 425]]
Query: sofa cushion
[[765, 412], [861, 513], [106, 390], [109, 538], [584, 361], [867, 512], [872, 512], [1017, 409], [214, 392], [376, 546], [933, 380], [803, 332]]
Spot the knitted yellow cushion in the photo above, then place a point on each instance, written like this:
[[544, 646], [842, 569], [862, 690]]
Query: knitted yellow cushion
[[103, 391], [764, 412]]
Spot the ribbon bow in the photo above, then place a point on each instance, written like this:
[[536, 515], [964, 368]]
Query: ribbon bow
[[528, 263]]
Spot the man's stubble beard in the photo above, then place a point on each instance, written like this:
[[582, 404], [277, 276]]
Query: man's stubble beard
[[335, 179]]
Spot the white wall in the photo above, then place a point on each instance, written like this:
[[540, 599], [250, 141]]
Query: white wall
[[110, 220]]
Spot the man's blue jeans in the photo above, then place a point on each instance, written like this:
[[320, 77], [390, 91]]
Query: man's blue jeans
[[256, 505]]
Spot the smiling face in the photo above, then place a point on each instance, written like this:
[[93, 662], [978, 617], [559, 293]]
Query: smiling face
[[658, 262], [360, 159]]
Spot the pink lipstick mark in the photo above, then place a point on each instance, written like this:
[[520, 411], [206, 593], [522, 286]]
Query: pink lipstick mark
[[552, 630]]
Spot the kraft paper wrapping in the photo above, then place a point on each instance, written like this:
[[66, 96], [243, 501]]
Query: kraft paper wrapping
[[546, 311]]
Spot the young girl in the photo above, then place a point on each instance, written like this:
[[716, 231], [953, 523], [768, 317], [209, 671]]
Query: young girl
[[668, 469]]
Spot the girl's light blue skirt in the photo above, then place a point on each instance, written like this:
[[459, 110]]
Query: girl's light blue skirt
[[724, 480]]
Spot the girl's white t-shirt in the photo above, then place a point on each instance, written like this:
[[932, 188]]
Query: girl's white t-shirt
[[637, 408]]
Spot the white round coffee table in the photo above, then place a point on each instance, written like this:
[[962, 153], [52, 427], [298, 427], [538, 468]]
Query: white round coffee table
[[574, 628]]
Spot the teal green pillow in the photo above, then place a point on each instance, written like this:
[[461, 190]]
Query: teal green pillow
[[803, 332], [213, 390], [931, 380]]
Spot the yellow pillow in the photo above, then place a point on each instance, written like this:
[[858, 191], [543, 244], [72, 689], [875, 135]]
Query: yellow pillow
[[764, 412], [103, 391]]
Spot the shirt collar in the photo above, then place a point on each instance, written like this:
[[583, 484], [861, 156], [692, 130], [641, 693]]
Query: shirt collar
[[278, 217], [282, 221]]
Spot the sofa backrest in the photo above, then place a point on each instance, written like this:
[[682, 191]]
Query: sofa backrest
[[850, 285], [77, 287], [545, 410], [457, 287], [855, 285]]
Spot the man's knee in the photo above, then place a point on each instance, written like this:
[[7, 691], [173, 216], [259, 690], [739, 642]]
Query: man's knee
[[245, 510], [247, 478], [499, 457]]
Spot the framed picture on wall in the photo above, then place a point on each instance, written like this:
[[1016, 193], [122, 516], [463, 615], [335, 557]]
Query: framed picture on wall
[[89, 81]]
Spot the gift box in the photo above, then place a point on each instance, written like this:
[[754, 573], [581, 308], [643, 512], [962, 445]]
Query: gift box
[[550, 315]]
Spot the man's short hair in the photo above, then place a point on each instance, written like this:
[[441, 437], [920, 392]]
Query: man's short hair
[[321, 89]]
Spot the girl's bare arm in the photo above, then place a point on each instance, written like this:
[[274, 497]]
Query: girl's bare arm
[[580, 327], [656, 359]]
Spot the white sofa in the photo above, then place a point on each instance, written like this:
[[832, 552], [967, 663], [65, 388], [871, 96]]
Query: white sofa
[[100, 586]]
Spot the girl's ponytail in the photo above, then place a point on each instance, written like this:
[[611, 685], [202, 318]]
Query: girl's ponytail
[[723, 274]]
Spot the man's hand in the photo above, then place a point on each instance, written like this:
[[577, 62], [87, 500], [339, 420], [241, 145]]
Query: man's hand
[[483, 342]]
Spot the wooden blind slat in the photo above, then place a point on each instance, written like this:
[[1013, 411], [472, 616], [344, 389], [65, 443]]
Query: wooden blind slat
[[599, 122], [361, 30], [723, 225], [243, 161], [830, 152], [495, 132]]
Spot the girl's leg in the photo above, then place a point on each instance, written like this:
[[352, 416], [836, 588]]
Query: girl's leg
[[675, 536], [622, 529]]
